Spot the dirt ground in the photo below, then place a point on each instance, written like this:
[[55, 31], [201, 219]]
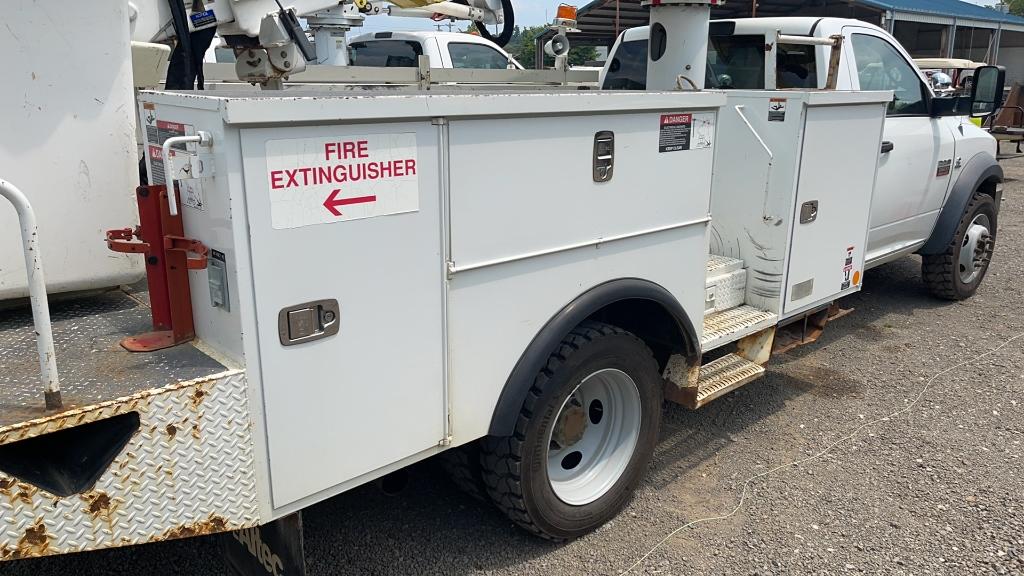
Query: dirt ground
[[892, 446]]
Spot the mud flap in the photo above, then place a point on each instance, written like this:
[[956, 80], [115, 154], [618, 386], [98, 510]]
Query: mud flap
[[273, 549]]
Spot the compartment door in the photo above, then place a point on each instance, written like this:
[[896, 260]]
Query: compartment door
[[347, 214], [835, 186]]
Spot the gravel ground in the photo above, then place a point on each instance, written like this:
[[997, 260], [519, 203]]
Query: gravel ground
[[910, 462]]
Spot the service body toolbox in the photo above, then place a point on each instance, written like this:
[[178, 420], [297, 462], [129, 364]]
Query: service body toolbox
[[389, 257]]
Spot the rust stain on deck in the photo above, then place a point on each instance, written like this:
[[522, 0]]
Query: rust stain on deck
[[197, 396], [171, 431], [212, 525], [6, 484], [195, 431], [35, 542], [25, 493], [97, 504]]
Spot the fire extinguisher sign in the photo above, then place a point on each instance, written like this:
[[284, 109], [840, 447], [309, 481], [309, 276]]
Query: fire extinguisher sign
[[335, 179]]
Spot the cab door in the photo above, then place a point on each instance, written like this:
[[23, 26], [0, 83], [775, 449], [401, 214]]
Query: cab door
[[917, 150]]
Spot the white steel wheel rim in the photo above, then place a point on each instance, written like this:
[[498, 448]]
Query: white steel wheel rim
[[593, 437], [974, 251]]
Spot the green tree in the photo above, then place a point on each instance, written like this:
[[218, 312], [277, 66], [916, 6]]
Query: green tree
[[1016, 6], [523, 47]]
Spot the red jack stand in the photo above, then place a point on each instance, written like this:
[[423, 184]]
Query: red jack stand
[[167, 265]]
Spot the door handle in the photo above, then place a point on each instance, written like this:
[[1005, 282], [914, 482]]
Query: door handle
[[887, 147], [808, 211]]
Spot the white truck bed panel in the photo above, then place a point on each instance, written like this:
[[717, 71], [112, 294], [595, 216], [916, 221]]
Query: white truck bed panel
[[824, 147], [373, 394], [350, 406], [535, 183]]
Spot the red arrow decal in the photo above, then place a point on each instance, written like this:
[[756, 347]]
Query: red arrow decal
[[333, 201]]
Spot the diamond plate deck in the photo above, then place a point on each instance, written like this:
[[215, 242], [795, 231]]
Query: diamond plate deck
[[724, 375], [725, 327], [188, 470], [92, 365]]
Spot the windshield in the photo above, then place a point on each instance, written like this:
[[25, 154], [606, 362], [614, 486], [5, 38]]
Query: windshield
[[733, 62], [628, 68], [386, 53], [466, 55]]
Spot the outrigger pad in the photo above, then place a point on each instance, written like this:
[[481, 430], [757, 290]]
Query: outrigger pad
[[69, 461]]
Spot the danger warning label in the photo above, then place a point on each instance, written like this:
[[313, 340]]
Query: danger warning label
[[324, 180], [156, 132], [686, 131]]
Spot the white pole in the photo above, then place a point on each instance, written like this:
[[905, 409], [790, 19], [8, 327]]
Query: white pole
[[331, 45], [37, 293], [678, 47]]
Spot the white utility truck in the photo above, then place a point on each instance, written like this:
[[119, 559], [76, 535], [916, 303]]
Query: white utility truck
[[343, 283], [937, 191]]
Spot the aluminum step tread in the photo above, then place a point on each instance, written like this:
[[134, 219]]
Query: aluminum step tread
[[725, 375], [724, 327], [719, 265]]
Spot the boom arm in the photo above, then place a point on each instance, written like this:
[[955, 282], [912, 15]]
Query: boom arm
[[269, 42]]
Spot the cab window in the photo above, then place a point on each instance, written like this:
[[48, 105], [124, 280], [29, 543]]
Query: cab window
[[466, 55], [881, 67], [628, 68], [735, 62], [386, 53], [795, 67]]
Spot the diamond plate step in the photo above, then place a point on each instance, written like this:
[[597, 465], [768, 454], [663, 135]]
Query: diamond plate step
[[725, 291], [724, 327], [724, 375], [718, 265]]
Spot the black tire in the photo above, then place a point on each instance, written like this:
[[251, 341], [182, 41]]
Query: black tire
[[515, 467], [942, 271], [462, 465]]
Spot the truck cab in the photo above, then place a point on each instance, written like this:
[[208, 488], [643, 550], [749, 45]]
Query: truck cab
[[445, 50], [932, 164]]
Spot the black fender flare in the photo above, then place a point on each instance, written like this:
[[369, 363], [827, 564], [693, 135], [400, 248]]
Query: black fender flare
[[510, 402], [979, 169]]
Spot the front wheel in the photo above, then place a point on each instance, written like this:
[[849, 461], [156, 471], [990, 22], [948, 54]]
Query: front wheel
[[956, 273], [584, 436]]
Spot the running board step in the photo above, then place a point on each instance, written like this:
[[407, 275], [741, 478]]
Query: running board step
[[719, 265], [714, 380], [725, 375], [722, 328]]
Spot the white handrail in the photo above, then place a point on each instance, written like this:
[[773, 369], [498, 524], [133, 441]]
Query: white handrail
[[203, 138], [37, 293], [771, 162]]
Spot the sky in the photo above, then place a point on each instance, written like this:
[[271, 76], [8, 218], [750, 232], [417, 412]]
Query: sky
[[527, 13]]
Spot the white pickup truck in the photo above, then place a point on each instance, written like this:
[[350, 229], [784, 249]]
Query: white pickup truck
[[445, 50], [937, 191]]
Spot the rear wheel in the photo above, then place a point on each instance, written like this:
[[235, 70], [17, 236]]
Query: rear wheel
[[584, 436], [956, 273], [462, 465]]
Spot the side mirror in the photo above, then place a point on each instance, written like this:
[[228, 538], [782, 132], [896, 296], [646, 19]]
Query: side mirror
[[987, 90]]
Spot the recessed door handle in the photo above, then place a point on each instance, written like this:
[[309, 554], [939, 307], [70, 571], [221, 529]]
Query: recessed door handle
[[887, 147]]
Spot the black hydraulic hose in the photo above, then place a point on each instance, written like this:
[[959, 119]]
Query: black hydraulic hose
[[509, 24], [179, 72]]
